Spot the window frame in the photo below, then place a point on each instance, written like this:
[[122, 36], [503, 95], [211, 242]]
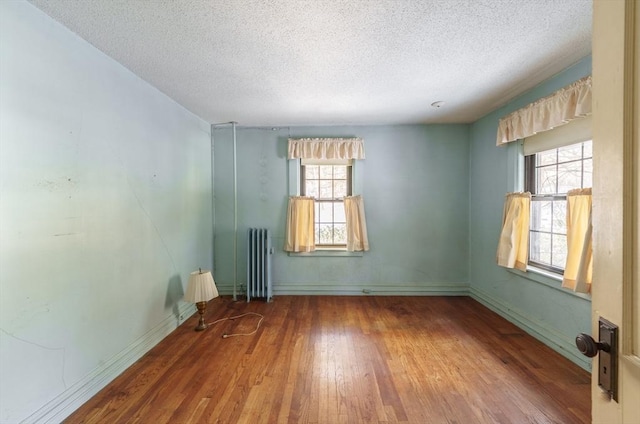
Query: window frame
[[531, 168], [358, 168], [515, 152], [349, 191]]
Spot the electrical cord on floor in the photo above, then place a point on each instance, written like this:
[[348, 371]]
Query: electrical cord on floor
[[225, 336]]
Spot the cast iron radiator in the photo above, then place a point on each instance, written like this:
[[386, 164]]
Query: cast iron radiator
[[259, 253]]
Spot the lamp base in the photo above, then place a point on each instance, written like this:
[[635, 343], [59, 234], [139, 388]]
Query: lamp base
[[202, 306]]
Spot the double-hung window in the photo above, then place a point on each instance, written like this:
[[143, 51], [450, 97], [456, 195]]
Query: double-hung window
[[549, 175], [328, 182], [323, 213], [555, 155]]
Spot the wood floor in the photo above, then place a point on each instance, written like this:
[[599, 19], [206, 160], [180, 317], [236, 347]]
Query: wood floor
[[318, 359]]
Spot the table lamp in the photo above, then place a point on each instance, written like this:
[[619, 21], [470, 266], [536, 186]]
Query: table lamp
[[200, 290]]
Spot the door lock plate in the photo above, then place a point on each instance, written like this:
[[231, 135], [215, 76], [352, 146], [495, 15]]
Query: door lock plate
[[608, 359]]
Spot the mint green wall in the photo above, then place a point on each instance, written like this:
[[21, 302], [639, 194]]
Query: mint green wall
[[105, 187], [415, 186], [105, 208], [552, 314]]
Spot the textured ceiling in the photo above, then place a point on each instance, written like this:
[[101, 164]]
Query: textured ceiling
[[329, 62]]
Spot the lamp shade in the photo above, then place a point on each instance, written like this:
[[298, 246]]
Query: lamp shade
[[201, 287]]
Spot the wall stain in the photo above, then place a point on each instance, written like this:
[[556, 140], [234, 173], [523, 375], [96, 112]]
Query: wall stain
[[53, 185]]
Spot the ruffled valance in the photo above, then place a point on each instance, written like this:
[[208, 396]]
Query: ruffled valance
[[326, 148], [566, 104]]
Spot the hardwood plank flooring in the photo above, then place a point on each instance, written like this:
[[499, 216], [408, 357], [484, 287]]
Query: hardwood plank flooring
[[342, 359]]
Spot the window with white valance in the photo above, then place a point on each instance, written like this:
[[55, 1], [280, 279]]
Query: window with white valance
[[322, 169], [553, 164], [561, 107]]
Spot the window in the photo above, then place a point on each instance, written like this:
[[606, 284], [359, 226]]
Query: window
[[549, 175], [328, 183]]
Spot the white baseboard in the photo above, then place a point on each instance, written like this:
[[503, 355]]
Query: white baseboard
[[71, 399], [534, 327]]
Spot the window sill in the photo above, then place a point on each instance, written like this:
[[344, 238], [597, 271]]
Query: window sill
[[548, 279], [329, 253]]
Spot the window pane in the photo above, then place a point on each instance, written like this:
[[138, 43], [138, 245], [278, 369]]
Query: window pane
[[588, 146], [326, 233], [326, 189], [541, 217], [572, 152], [328, 184], [559, 257], [546, 180], [326, 172], [560, 216], [540, 247], [311, 188], [338, 212], [546, 158], [326, 212], [339, 188], [548, 244], [311, 171], [340, 234], [587, 179], [569, 176], [340, 172]]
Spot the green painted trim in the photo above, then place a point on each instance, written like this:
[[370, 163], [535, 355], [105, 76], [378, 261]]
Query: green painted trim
[[357, 173], [556, 341], [549, 280], [354, 289], [75, 396], [293, 166], [391, 289], [515, 166]]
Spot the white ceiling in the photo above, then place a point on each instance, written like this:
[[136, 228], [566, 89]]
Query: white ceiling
[[332, 62]]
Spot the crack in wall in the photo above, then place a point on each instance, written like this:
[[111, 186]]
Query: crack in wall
[[166, 248], [62, 349]]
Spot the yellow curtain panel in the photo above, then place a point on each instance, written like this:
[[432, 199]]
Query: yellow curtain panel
[[357, 239], [579, 266], [299, 236], [513, 245]]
